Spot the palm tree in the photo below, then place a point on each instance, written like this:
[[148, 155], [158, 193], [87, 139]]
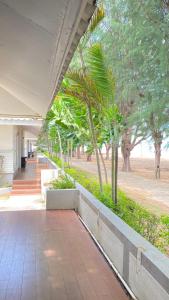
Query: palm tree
[[105, 83], [94, 85], [95, 88], [83, 88]]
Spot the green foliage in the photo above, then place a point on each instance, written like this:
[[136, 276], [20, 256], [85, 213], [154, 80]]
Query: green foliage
[[165, 233], [131, 42], [100, 73], [62, 182], [150, 226], [98, 16], [135, 38]]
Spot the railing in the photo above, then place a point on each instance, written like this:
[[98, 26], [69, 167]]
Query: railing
[[143, 268]]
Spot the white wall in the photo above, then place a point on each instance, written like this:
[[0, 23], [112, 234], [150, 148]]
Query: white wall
[[6, 151], [6, 141], [17, 151], [10, 149], [6, 148]]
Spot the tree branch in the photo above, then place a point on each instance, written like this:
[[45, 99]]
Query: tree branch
[[138, 142]]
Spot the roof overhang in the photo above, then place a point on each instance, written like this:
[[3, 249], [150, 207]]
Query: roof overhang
[[21, 122], [37, 41]]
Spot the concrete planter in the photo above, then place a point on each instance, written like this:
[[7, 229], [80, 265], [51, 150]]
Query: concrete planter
[[62, 199]]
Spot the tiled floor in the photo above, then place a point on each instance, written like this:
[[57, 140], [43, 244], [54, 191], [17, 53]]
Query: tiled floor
[[29, 172], [49, 255]]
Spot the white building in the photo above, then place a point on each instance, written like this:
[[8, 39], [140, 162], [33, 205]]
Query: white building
[[37, 41]]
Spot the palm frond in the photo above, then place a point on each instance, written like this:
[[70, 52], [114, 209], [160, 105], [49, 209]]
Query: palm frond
[[102, 77], [78, 77], [86, 87], [97, 17], [74, 91]]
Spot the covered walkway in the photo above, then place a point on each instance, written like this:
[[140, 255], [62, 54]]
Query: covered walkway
[[49, 255]]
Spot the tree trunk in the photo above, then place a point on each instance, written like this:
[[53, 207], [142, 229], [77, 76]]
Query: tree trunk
[[78, 152], [112, 171], [61, 151], [104, 166], [68, 153], [95, 146], [115, 173], [126, 150], [89, 157], [71, 151], [126, 160], [83, 152], [157, 136], [47, 141], [108, 146]]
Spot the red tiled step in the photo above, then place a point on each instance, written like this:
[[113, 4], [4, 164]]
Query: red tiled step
[[35, 181], [25, 186], [42, 166], [30, 160], [26, 192]]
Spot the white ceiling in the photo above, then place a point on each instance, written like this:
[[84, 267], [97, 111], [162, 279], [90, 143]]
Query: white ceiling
[[37, 41]]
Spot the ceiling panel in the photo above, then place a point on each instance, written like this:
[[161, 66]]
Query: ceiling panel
[[36, 37]]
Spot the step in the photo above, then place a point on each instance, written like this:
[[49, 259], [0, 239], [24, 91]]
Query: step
[[26, 192], [25, 186], [42, 164], [33, 181]]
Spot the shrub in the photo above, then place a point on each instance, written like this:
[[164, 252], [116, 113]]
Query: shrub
[[150, 226], [62, 182]]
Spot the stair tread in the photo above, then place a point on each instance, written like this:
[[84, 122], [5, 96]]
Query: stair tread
[[25, 192], [26, 182], [20, 189]]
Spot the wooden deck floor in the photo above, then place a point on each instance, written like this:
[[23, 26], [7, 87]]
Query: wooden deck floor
[[48, 255]]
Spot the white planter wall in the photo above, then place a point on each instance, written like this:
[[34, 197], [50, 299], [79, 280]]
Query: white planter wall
[[62, 199]]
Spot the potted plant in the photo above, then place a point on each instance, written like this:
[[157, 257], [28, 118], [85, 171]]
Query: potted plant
[[62, 194]]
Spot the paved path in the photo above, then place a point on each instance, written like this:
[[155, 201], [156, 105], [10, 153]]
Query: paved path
[[48, 255], [150, 193]]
